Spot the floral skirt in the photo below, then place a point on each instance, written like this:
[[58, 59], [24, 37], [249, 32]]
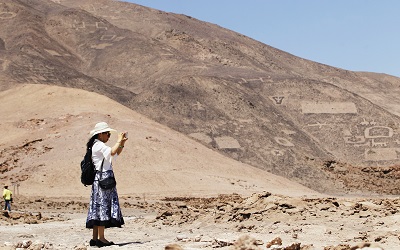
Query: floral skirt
[[104, 209]]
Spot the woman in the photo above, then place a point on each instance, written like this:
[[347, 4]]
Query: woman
[[104, 208]]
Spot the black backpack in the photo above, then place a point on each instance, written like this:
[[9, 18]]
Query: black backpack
[[88, 170]]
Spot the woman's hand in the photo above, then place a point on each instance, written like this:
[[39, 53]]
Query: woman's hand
[[119, 146], [122, 137]]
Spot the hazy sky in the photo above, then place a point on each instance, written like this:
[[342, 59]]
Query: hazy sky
[[359, 35]]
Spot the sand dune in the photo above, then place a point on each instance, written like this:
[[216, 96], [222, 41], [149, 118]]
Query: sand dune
[[156, 160]]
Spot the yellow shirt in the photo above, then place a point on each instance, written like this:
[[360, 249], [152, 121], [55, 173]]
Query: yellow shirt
[[7, 194]]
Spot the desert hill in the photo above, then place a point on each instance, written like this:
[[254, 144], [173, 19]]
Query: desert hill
[[330, 129], [44, 142]]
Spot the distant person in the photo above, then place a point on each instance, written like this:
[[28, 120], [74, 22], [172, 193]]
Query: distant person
[[7, 195], [104, 209]]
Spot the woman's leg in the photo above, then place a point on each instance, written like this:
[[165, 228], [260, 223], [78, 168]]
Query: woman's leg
[[101, 234], [95, 233]]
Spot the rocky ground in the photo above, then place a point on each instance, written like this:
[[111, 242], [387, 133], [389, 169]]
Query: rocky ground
[[259, 221]]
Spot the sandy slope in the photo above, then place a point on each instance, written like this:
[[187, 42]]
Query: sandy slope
[[45, 129], [156, 160]]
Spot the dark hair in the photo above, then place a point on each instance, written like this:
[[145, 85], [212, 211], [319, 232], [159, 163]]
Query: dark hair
[[90, 143]]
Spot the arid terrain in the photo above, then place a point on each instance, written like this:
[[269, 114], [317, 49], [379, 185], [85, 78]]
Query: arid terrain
[[233, 144], [172, 189], [259, 221]]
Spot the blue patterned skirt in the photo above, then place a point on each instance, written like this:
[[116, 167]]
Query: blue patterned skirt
[[104, 209]]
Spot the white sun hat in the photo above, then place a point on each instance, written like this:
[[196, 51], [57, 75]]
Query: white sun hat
[[100, 128]]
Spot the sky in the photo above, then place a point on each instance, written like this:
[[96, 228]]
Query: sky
[[357, 35]]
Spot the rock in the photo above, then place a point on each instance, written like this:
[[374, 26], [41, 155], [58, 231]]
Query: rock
[[277, 241], [26, 243], [370, 205], [80, 247], [246, 242], [294, 246], [182, 237], [364, 214], [221, 243], [173, 247], [339, 247], [366, 246]]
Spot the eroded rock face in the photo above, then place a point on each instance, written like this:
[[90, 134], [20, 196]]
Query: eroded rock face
[[2, 44], [240, 97]]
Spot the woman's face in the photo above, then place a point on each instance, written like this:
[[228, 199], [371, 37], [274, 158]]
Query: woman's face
[[104, 136]]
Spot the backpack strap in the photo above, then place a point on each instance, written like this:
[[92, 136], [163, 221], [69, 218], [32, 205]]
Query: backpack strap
[[101, 169], [102, 162]]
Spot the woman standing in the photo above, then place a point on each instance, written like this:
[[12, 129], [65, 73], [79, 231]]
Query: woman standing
[[104, 208]]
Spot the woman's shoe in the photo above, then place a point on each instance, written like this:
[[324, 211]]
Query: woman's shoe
[[99, 243], [92, 243]]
